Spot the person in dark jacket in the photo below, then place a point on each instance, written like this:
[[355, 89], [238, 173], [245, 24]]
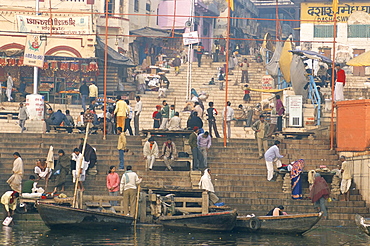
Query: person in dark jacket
[[84, 92], [64, 164], [56, 119], [89, 155], [194, 120], [177, 63]]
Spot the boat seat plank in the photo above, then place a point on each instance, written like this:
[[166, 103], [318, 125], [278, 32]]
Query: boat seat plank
[[97, 204]]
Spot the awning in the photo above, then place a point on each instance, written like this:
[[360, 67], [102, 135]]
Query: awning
[[150, 32], [113, 56], [361, 60], [311, 55]]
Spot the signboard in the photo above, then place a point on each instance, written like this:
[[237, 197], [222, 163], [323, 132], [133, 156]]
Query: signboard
[[34, 51], [322, 12], [267, 82], [74, 25], [295, 110], [190, 38], [35, 106]]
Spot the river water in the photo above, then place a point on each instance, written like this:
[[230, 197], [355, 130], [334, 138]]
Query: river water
[[28, 234]]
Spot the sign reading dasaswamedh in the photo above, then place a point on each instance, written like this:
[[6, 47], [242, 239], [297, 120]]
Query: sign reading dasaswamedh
[[74, 25], [323, 12]]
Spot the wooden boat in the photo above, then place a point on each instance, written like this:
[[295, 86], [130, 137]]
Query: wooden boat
[[286, 224], [220, 221], [56, 216], [363, 224]]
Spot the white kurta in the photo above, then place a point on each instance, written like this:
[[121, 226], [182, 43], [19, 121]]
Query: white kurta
[[15, 181], [206, 182]]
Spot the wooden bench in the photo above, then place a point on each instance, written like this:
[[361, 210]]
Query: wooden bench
[[297, 135], [167, 133], [59, 129], [178, 165], [7, 114]]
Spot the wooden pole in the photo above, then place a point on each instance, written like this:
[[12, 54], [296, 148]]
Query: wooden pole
[[227, 72], [105, 70], [333, 82], [74, 203], [137, 205]]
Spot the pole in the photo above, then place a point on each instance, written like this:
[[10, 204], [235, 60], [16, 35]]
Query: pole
[[74, 203], [36, 69], [137, 205], [188, 75], [332, 82], [227, 72], [277, 20], [105, 70]]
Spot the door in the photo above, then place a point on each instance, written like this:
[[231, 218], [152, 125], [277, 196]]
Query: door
[[358, 71]]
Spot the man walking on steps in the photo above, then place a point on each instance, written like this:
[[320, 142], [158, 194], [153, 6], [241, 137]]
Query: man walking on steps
[[137, 112], [272, 156], [261, 130]]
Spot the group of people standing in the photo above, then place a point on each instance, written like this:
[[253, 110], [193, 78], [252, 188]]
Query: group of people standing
[[126, 186]]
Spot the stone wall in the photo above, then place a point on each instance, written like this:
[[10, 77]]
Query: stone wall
[[361, 175]]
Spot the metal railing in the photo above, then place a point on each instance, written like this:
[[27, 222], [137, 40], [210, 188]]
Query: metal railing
[[314, 95]]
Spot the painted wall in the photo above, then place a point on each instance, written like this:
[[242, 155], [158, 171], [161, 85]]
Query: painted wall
[[183, 8]]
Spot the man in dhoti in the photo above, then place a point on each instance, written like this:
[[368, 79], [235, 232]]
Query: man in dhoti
[[346, 170], [15, 181], [272, 156], [339, 83]]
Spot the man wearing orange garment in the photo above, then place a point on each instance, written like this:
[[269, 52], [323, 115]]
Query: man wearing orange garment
[[121, 112]]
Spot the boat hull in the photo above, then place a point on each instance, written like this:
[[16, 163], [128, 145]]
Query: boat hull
[[363, 224], [223, 221], [286, 224], [56, 216]]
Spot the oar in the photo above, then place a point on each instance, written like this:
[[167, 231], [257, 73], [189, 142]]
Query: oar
[[137, 205], [74, 203]]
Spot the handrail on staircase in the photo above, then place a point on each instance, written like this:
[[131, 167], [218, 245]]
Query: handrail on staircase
[[314, 95]]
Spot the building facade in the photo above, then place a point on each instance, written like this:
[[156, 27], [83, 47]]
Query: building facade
[[352, 33]]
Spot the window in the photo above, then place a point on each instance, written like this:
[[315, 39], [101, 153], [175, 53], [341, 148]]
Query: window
[[136, 5], [359, 31], [147, 6], [110, 7], [323, 31]]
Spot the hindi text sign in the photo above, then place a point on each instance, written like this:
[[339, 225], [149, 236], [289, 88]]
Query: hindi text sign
[[34, 51]]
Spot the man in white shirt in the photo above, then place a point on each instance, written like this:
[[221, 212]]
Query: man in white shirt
[[229, 112], [81, 167], [128, 188], [137, 111], [347, 172], [175, 122], [272, 156], [9, 87]]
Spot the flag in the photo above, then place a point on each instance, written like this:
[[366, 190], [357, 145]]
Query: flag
[[335, 6], [230, 3]]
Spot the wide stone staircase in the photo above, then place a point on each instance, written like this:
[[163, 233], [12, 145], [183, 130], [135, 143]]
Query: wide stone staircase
[[200, 78], [238, 175]]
